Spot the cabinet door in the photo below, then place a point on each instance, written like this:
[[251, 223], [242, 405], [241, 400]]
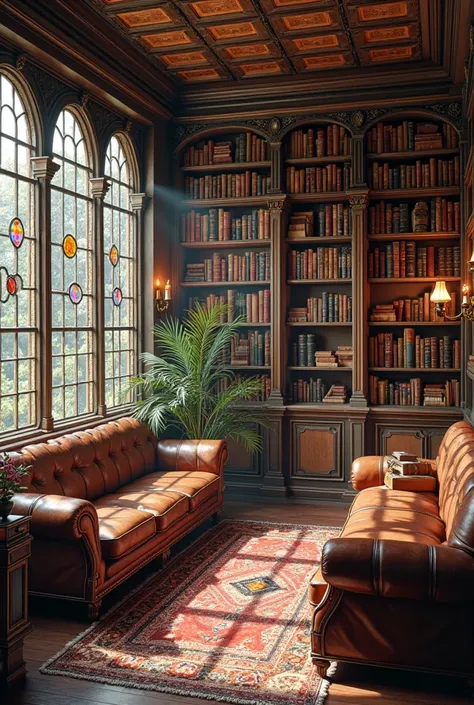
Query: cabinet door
[[423, 442], [317, 450]]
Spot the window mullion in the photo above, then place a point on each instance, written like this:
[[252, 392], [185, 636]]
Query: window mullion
[[44, 168], [138, 203]]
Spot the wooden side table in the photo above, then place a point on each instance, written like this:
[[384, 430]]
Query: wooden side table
[[15, 549]]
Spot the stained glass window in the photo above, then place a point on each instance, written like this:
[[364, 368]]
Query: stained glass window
[[72, 273], [18, 296], [120, 277]]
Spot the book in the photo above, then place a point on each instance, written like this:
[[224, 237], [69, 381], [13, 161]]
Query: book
[[414, 483], [408, 467]]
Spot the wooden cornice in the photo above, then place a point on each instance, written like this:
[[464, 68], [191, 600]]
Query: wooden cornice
[[74, 40]]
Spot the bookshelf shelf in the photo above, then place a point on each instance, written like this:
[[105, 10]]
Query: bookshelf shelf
[[317, 405], [413, 280], [225, 244], [412, 409], [319, 281], [413, 154], [413, 236], [248, 367], [413, 324], [318, 240], [418, 370], [252, 325], [235, 166], [199, 285], [328, 197], [311, 324], [395, 193], [230, 202], [314, 161], [320, 369]]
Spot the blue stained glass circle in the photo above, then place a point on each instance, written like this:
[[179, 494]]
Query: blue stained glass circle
[[117, 296], [75, 293]]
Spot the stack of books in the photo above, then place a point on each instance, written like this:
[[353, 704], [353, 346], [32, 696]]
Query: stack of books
[[403, 463], [301, 225], [195, 273], [325, 358], [428, 137], [407, 472], [434, 395], [337, 394], [221, 153], [344, 355]]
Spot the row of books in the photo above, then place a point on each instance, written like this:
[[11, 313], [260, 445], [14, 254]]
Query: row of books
[[247, 147], [408, 136], [411, 310], [331, 220], [253, 308], [304, 354], [321, 263], [218, 225], [252, 349], [407, 259], [386, 218], [249, 183], [224, 384], [430, 174], [251, 266], [412, 350], [329, 308], [413, 393], [329, 141], [303, 391], [324, 179]]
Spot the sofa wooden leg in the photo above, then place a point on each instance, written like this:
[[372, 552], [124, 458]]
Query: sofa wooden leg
[[93, 609], [216, 517], [164, 558], [321, 666]]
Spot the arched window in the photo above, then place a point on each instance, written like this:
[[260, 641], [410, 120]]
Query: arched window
[[120, 276], [18, 262], [72, 273]]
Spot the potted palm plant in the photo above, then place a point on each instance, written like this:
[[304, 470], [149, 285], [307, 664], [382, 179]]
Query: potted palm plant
[[190, 387]]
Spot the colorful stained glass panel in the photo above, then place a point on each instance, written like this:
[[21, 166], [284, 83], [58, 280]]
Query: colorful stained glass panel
[[117, 296], [114, 256], [11, 285], [17, 232], [75, 293], [69, 246]]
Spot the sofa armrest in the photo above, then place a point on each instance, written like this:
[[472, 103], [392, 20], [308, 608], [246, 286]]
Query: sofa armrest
[[206, 456], [399, 569], [62, 518], [369, 471]]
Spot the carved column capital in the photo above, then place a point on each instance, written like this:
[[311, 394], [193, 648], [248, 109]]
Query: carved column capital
[[139, 201], [20, 63], [277, 205], [358, 198], [44, 167], [99, 186]]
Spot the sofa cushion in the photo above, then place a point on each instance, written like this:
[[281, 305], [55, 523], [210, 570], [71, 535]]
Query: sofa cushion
[[380, 513], [165, 506], [120, 529], [196, 485]]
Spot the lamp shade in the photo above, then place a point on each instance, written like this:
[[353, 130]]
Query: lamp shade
[[440, 294]]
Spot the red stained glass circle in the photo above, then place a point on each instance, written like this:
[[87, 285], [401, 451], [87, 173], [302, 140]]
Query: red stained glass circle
[[12, 285]]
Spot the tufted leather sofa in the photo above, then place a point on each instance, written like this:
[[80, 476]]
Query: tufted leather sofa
[[105, 502], [397, 587]]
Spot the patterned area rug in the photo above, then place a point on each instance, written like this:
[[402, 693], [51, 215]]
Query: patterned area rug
[[227, 620]]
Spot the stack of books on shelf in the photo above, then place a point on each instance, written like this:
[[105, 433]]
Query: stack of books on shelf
[[337, 394], [248, 148], [329, 308], [249, 183], [300, 225], [253, 308], [422, 174], [224, 384], [221, 153], [385, 392], [344, 355], [387, 218], [307, 391], [404, 258], [325, 358], [218, 225], [329, 141], [412, 350], [332, 220], [327, 179], [251, 266], [408, 136], [411, 310], [251, 350], [321, 263]]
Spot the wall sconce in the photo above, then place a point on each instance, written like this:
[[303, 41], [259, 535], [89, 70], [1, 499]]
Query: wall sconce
[[440, 296], [162, 303]]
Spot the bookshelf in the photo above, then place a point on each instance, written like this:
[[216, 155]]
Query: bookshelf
[[325, 220]]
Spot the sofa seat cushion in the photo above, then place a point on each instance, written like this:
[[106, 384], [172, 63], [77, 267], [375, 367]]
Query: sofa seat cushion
[[121, 529], [195, 485], [317, 588], [380, 513], [166, 506]]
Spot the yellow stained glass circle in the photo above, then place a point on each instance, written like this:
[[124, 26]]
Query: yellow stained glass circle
[[69, 246], [114, 255]]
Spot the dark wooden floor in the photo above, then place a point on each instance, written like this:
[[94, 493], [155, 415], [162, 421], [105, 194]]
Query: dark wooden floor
[[55, 625]]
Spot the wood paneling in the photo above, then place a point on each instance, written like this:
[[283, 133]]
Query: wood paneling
[[317, 450]]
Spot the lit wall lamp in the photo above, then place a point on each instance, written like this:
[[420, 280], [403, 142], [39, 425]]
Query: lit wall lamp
[[441, 297], [162, 302]]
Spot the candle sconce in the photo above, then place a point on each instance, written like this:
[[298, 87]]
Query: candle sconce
[[162, 302], [440, 296]]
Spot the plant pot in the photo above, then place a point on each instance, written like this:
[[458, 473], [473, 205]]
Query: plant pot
[[5, 509]]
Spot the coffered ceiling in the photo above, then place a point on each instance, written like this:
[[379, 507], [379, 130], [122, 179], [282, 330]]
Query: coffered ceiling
[[201, 41]]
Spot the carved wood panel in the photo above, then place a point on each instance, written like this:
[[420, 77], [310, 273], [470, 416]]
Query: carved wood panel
[[422, 442], [317, 450], [240, 460]]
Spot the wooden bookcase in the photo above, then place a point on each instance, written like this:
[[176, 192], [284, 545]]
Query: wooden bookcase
[[310, 445]]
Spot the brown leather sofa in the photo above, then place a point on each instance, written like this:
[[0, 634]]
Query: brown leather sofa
[[397, 587], [105, 502]]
